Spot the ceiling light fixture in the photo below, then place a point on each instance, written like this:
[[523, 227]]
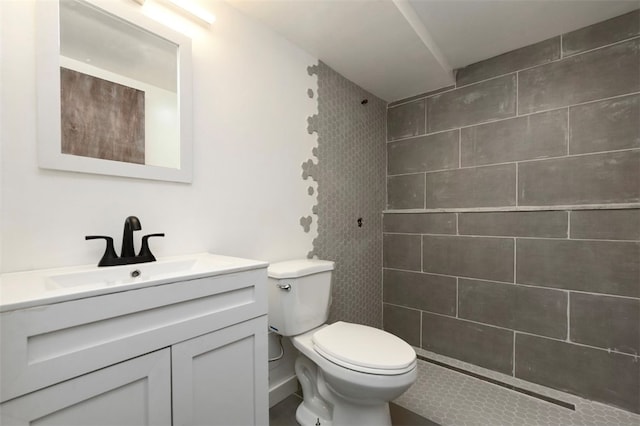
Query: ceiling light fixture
[[192, 10], [187, 8]]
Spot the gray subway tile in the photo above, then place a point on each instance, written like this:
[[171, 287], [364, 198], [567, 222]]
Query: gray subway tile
[[525, 57], [534, 310], [421, 96], [548, 224], [474, 257], [433, 152], [402, 251], [591, 373], [488, 186], [434, 293], [403, 322], [406, 191], [420, 223], [609, 267], [586, 179], [605, 125], [406, 120], [524, 138], [478, 344], [606, 224], [601, 34], [606, 322], [489, 100], [598, 74]]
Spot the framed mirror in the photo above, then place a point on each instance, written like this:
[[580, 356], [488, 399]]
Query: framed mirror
[[113, 92]]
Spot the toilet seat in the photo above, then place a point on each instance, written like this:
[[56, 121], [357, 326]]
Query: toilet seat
[[364, 349]]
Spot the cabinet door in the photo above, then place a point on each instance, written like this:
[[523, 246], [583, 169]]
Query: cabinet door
[[220, 378], [134, 392]]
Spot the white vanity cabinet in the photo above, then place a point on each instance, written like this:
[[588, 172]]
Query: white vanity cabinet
[[183, 353], [214, 380], [134, 392]]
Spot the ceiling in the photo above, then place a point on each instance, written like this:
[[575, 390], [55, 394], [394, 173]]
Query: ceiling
[[399, 48]]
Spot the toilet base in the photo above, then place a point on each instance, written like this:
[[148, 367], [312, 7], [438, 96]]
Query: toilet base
[[365, 415], [306, 417], [322, 406]]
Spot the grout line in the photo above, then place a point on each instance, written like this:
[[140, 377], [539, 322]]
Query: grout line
[[515, 259], [459, 148], [569, 224], [569, 316], [517, 179], [561, 47], [421, 254], [513, 355], [568, 130], [518, 94], [382, 296], [421, 315], [540, 287]]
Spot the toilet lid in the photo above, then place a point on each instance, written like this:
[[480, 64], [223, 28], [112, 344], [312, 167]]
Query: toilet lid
[[364, 348]]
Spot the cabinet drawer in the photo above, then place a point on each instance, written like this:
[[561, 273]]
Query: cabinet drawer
[[48, 344]]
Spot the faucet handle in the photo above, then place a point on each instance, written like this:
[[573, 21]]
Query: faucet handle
[[144, 249], [109, 255]]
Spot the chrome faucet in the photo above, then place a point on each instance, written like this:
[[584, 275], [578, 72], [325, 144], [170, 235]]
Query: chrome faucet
[[127, 254]]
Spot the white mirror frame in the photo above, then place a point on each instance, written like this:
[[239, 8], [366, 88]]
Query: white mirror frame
[[50, 155]]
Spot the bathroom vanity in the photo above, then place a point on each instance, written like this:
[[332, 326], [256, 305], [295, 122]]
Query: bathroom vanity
[[181, 341]]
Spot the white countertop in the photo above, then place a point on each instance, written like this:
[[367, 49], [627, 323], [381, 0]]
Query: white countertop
[[21, 290]]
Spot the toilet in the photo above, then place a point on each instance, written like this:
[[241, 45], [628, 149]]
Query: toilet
[[348, 372]]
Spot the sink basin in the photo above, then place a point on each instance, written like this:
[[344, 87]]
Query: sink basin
[[118, 275], [33, 288]]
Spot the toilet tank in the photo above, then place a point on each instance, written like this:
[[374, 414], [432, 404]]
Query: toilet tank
[[299, 295]]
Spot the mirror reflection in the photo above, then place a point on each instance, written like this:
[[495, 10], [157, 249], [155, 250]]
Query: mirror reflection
[[118, 89]]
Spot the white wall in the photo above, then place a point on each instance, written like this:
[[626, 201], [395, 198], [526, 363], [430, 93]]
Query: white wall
[[250, 109]]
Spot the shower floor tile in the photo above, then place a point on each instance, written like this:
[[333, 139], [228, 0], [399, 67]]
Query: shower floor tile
[[284, 414], [450, 398]]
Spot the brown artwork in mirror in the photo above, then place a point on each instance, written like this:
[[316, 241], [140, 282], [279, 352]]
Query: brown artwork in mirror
[[101, 119]]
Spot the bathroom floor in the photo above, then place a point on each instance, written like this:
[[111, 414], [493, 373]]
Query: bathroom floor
[[445, 397], [451, 398], [284, 414]]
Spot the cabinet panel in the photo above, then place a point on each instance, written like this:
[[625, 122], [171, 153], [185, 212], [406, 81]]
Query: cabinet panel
[[135, 392], [45, 345], [221, 378]]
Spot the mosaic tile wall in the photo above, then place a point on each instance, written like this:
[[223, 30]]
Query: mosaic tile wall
[[349, 170], [512, 239]]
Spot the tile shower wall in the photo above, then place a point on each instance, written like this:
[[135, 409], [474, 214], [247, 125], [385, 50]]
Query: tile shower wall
[[512, 235], [350, 174]]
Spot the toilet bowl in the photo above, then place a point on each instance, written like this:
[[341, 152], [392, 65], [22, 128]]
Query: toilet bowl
[[348, 372], [356, 387]]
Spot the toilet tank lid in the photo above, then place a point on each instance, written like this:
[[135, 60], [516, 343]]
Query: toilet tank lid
[[298, 268]]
